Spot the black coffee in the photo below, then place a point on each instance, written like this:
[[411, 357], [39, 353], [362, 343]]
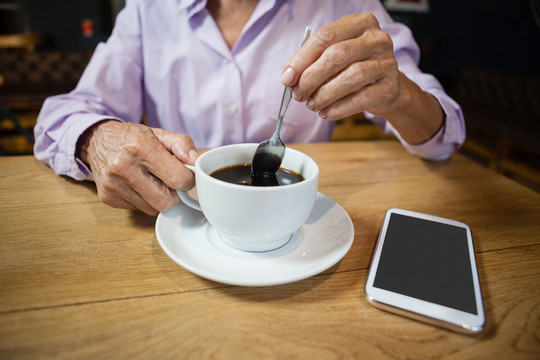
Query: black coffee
[[241, 174]]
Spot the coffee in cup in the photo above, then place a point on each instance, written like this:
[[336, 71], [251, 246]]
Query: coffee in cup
[[241, 174]]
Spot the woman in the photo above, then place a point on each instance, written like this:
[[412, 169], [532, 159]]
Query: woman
[[209, 73]]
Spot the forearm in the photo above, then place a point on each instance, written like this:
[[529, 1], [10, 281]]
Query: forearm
[[416, 115]]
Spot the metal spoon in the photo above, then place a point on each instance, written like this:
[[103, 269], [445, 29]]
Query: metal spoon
[[269, 153]]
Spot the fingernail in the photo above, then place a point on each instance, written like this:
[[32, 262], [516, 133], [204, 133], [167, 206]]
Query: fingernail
[[287, 76], [193, 154], [310, 104], [297, 94], [323, 115]]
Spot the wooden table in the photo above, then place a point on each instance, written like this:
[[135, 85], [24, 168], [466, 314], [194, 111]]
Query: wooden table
[[79, 279]]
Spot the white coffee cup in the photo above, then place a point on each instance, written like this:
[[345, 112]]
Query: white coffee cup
[[253, 218]]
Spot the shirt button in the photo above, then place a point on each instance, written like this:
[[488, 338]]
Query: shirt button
[[232, 65], [233, 108]]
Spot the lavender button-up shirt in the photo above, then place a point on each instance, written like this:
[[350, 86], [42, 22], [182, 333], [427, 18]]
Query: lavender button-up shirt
[[168, 61]]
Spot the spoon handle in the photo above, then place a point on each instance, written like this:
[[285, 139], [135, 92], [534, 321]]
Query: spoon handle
[[287, 94], [285, 100]]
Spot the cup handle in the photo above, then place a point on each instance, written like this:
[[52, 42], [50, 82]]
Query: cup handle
[[186, 198]]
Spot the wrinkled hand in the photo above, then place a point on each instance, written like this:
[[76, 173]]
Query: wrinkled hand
[[348, 67], [344, 68], [138, 167]]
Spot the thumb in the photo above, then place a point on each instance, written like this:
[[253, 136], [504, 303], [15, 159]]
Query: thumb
[[180, 145]]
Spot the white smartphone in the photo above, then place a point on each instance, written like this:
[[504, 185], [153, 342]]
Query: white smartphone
[[424, 267]]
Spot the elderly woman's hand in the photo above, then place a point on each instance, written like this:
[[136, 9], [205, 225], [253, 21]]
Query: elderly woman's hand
[[138, 167], [348, 67]]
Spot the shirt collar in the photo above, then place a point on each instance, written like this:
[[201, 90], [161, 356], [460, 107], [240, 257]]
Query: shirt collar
[[191, 6], [194, 6]]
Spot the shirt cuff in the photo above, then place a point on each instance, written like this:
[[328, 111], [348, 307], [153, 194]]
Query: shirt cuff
[[448, 139], [441, 145]]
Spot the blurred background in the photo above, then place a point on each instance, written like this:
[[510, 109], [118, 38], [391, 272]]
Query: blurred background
[[485, 52]]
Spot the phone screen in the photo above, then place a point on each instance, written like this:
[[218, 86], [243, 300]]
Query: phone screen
[[429, 261]]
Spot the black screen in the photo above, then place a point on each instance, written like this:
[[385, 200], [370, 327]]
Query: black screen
[[427, 260]]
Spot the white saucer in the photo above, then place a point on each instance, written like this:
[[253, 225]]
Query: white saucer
[[188, 239]]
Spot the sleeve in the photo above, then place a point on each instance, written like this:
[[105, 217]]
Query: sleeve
[[110, 88], [452, 135]]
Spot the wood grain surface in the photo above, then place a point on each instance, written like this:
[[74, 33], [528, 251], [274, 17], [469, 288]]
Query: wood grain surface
[[79, 279]]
